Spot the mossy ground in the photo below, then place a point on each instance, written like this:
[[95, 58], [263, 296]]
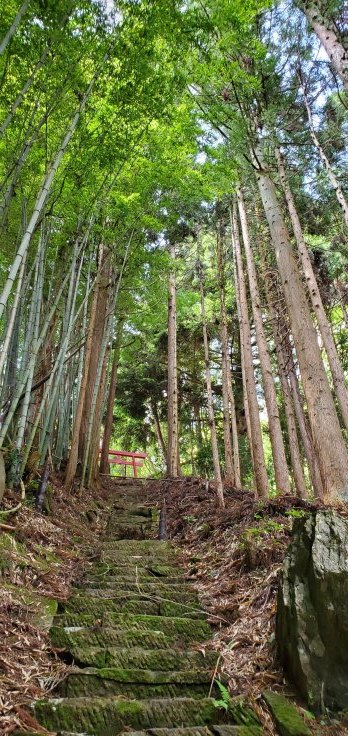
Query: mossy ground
[[38, 559], [111, 640], [144, 685]]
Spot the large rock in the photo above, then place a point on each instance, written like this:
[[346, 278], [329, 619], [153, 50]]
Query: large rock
[[312, 616]]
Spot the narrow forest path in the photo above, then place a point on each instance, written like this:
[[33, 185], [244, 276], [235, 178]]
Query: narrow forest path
[[133, 629]]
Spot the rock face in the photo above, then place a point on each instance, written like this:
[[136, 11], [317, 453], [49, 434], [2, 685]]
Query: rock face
[[312, 615]]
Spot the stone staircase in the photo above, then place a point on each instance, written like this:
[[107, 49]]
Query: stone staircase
[[133, 630]]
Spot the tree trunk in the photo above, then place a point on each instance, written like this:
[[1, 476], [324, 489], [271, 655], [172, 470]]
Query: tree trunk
[[225, 366], [298, 402], [23, 91], [328, 440], [12, 30], [280, 326], [74, 450], [211, 417], [97, 420], [173, 418], [341, 294], [36, 313], [36, 346], [306, 435], [158, 430], [257, 452], [294, 447], [324, 159], [328, 37], [41, 199], [13, 315], [98, 333], [337, 371], [104, 457], [278, 450]]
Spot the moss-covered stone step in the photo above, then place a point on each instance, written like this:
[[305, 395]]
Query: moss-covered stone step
[[125, 518], [134, 510], [142, 558], [129, 627], [131, 527], [154, 570], [192, 629], [119, 582], [155, 546], [122, 581], [146, 559], [148, 659], [110, 716], [140, 684], [80, 640], [145, 548], [131, 603], [131, 531], [186, 630], [131, 590], [157, 568], [215, 730]]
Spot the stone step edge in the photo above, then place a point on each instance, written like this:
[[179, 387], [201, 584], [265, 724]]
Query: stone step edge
[[145, 676]]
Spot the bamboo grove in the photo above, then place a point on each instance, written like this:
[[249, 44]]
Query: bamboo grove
[[174, 219]]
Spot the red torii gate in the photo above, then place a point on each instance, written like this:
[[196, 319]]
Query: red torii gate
[[132, 459]]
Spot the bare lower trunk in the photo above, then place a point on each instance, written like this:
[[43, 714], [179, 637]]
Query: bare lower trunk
[[158, 430], [11, 322], [97, 419], [245, 339], [104, 458], [306, 436], [327, 436], [336, 368], [245, 403], [211, 417], [98, 333], [225, 366], [278, 450], [280, 325], [341, 294], [294, 447], [173, 412], [73, 456]]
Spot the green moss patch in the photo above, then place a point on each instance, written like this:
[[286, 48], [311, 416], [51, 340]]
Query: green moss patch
[[148, 659], [83, 640], [139, 684], [185, 629], [110, 716], [287, 718]]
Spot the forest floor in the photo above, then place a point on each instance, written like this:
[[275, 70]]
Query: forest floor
[[233, 558], [40, 556]]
